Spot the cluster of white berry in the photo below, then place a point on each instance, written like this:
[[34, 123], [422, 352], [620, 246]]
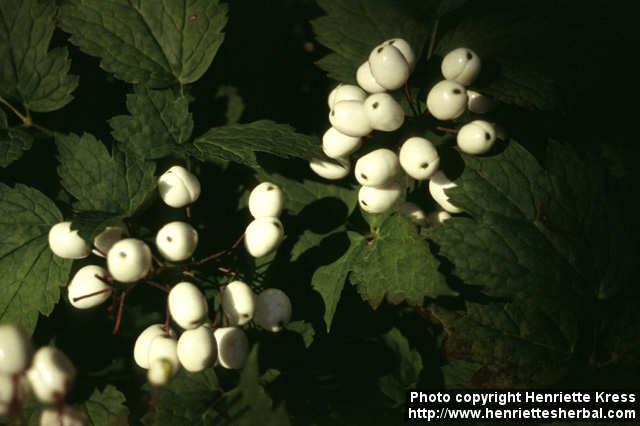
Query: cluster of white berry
[[48, 375], [355, 114], [200, 344]]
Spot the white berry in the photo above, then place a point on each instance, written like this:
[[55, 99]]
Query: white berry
[[377, 167], [389, 67], [233, 347], [160, 372], [266, 200], [103, 242], [349, 118], [238, 302], [15, 349], [336, 144], [476, 137], [141, 347], [438, 217], [7, 393], [345, 92], [419, 158], [383, 112], [163, 352], [329, 169], [273, 309], [478, 103], [461, 65], [366, 80], [129, 260], [413, 212], [405, 48], [263, 236], [65, 416], [178, 187], [86, 282], [437, 185], [197, 348], [67, 243], [177, 241], [187, 305], [379, 199], [51, 375], [447, 100]]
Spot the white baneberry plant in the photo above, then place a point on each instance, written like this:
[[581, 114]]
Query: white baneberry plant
[[369, 198]]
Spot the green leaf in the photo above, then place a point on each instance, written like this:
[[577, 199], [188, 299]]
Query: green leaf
[[188, 399], [240, 142], [397, 264], [458, 374], [408, 367], [155, 43], [254, 406], [29, 72], [106, 407], [352, 28], [520, 344], [31, 274], [235, 104], [619, 335], [329, 280], [13, 143], [548, 239], [304, 329], [159, 121], [107, 187]]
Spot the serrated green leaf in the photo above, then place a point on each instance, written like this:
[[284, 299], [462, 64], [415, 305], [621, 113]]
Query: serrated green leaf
[[352, 28], [329, 280], [240, 142], [516, 344], [254, 405], [154, 43], [408, 367], [13, 143], [549, 235], [188, 399], [159, 121], [398, 265], [235, 104], [106, 407], [304, 329], [32, 274], [30, 73], [457, 373], [107, 187]]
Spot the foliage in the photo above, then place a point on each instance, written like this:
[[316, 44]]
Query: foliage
[[532, 286]]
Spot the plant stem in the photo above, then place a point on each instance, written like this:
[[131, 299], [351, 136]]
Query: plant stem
[[25, 119], [407, 95], [432, 41], [95, 293], [157, 285], [447, 130]]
